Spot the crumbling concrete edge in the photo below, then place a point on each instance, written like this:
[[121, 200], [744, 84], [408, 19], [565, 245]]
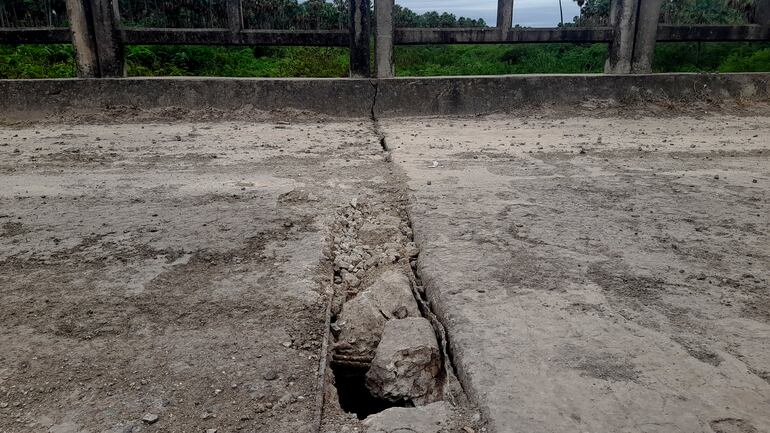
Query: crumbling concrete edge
[[201, 98]]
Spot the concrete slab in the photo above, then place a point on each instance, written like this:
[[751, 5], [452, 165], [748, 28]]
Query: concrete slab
[[603, 275], [170, 270]]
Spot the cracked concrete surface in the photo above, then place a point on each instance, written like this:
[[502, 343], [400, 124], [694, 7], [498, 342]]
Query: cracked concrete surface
[[593, 274], [602, 275], [170, 269]]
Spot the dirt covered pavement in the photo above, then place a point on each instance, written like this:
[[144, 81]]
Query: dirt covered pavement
[[604, 274], [170, 270], [598, 275]]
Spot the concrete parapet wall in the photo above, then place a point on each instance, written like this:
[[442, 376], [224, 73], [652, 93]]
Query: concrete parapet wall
[[31, 99], [484, 95], [351, 98]]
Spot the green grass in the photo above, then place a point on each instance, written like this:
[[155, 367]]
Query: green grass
[[55, 61], [36, 61], [236, 61], [499, 59]]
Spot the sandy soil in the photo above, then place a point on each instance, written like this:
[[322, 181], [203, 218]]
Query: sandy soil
[[603, 275]]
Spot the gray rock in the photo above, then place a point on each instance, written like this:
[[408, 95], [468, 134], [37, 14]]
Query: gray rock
[[407, 363], [351, 280], [376, 234], [65, 427], [433, 418], [363, 318], [411, 250], [150, 418]]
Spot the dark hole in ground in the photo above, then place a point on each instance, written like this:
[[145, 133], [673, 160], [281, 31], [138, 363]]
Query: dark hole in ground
[[354, 397]]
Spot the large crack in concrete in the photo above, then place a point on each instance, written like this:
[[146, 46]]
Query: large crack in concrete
[[372, 249]]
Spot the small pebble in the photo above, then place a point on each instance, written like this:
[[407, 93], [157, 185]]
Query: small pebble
[[150, 418]]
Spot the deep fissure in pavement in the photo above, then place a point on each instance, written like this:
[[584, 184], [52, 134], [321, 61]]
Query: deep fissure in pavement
[[373, 257], [387, 349], [354, 397]]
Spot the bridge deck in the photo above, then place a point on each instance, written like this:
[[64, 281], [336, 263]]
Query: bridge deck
[[593, 274], [599, 275]]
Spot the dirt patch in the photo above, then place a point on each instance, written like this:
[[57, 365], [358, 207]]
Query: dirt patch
[[12, 228], [156, 287]]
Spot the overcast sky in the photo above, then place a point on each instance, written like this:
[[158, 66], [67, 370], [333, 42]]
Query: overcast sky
[[532, 13]]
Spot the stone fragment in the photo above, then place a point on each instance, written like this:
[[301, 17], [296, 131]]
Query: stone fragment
[[363, 317], [432, 418], [407, 363], [150, 418], [377, 234]]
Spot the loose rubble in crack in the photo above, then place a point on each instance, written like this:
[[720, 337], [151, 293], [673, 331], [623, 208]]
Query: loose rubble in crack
[[389, 368], [407, 363]]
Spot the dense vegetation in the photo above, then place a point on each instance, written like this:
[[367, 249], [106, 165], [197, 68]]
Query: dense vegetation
[[596, 12], [258, 14], [26, 61]]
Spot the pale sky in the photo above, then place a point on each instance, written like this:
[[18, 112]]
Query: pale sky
[[531, 13]]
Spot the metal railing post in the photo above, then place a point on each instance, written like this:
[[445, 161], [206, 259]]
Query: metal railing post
[[359, 39], [383, 13]]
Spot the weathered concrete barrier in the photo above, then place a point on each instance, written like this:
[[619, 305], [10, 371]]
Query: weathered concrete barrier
[[31, 99], [484, 95], [34, 99]]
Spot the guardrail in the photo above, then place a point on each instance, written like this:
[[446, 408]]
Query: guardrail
[[98, 36]]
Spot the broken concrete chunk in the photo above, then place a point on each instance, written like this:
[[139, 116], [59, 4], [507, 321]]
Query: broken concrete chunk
[[433, 418], [363, 318], [407, 363], [377, 234]]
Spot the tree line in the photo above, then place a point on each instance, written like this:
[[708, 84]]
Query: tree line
[[596, 12], [334, 14], [258, 14]]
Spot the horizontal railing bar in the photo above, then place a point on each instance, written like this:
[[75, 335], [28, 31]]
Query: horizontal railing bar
[[170, 36], [35, 35], [666, 33], [402, 36], [417, 36]]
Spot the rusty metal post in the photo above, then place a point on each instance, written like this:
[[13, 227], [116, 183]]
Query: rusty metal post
[[504, 14], [359, 39], [383, 53]]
